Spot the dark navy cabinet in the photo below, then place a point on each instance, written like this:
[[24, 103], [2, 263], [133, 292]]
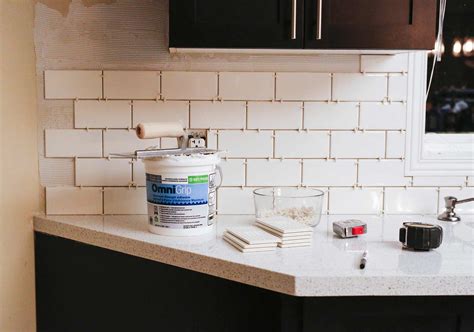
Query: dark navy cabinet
[[85, 288], [303, 24], [236, 24]]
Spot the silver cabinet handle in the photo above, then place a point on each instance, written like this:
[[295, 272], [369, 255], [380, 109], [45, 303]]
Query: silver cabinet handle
[[319, 8], [293, 19]]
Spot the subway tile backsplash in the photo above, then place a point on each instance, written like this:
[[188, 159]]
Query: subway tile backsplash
[[341, 132]]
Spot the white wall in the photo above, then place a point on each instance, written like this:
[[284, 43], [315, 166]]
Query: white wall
[[19, 184], [126, 35]]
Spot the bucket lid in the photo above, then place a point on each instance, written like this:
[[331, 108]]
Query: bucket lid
[[195, 159]]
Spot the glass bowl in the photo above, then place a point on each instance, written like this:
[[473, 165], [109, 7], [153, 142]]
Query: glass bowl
[[303, 205]]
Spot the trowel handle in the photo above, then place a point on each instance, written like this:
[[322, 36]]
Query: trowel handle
[[159, 129]]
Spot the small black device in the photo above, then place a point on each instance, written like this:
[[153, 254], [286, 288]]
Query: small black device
[[420, 236]]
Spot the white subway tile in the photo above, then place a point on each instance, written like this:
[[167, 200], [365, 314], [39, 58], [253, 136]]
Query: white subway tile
[[139, 173], [411, 200], [329, 172], [235, 201], [355, 87], [459, 193], [169, 143], [189, 85], [246, 144], [382, 173], [397, 87], [161, 111], [303, 86], [73, 200], [125, 141], [470, 181], [439, 181], [347, 144], [71, 84], [325, 207], [382, 116], [263, 172], [125, 201], [246, 86], [384, 63], [294, 144], [219, 115], [73, 143], [102, 114], [131, 84], [395, 144], [103, 172], [330, 115], [273, 115], [355, 201], [233, 171], [211, 137]]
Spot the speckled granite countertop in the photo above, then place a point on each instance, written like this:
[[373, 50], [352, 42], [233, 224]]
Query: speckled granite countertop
[[328, 268]]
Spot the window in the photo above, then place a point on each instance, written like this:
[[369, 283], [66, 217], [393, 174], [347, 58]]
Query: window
[[440, 128], [450, 103]]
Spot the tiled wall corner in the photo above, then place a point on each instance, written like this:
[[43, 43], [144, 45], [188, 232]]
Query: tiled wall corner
[[342, 131]]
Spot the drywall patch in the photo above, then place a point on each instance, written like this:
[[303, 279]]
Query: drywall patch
[[62, 6]]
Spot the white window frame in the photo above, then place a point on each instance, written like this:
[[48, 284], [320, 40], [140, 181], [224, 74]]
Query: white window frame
[[431, 154]]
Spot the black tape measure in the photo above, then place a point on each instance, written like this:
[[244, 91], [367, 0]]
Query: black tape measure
[[420, 236]]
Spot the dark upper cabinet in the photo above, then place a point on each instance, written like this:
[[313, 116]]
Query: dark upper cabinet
[[298, 24], [370, 24], [236, 24]]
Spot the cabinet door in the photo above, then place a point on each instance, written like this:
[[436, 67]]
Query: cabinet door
[[370, 24], [236, 24]]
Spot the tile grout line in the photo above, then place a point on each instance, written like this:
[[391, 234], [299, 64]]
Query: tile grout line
[[246, 172], [302, 115], [246, 115], [332, 85], [189, 115], [274, 85], [273, 143], [383, 200], [103, 83]]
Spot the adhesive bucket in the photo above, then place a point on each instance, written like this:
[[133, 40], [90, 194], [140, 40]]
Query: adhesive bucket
[[181, 194]]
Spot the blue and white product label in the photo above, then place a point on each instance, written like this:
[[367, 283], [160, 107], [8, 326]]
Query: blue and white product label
[[181, 202]]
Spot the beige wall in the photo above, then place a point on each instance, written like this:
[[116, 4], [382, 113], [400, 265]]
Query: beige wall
[[19, 184]]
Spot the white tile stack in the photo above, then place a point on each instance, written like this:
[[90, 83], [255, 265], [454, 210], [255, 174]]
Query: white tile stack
[[291, 233], [342, 131], [250, 239]]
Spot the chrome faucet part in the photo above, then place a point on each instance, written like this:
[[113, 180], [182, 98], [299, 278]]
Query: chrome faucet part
[[450, 203]]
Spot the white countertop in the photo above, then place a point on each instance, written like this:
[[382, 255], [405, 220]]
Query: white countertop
[[328, 268]]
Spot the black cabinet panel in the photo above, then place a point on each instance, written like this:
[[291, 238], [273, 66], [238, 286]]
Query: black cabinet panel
[[85, 288], [235, 24], [370, 24]]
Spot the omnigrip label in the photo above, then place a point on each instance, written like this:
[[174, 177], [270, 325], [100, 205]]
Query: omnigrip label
[[195, 192]]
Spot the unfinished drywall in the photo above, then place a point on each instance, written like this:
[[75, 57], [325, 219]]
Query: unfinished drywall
[[19, 185], [62, 6]]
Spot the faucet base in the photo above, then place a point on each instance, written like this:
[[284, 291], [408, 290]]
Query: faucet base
[[450, 217]]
